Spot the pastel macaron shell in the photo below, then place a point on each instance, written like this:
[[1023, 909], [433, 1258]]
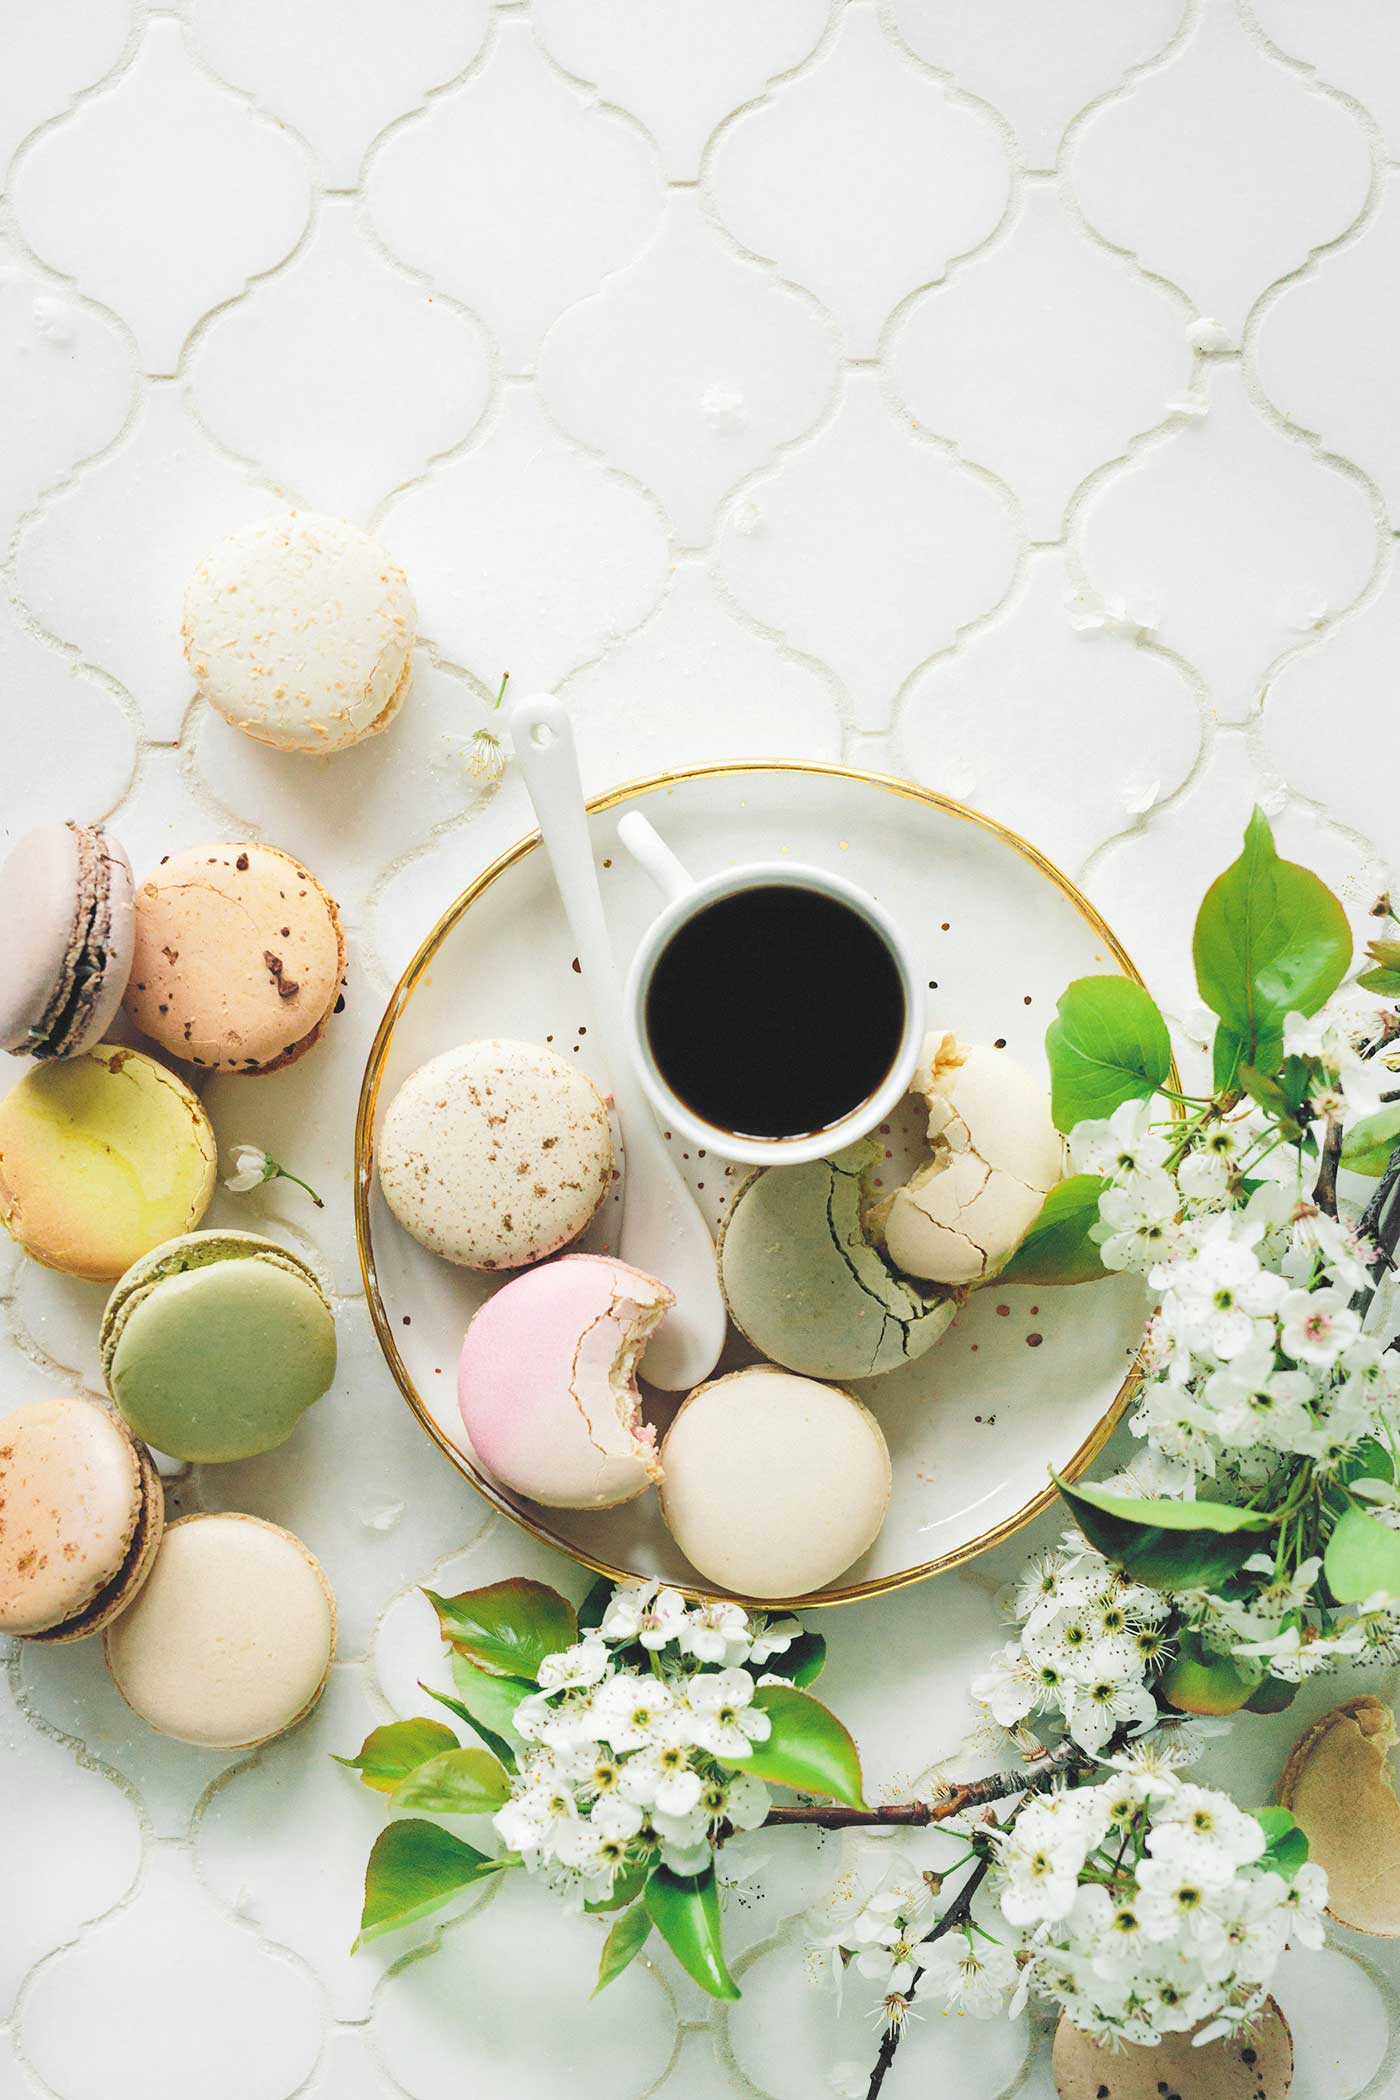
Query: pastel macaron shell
[[299, 629], [66, 906], [496, 1154], [547, 1382], [231, 1640], [82, 1515], [102, 1157], [771, 1484], [239, 958], [804, 1284], [1256, 2064], [215, 1344]]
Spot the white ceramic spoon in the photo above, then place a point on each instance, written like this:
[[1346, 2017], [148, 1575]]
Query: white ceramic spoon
[[663, 1231]]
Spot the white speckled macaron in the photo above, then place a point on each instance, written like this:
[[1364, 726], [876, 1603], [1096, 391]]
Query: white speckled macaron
[[299, 629], [496, 1154]]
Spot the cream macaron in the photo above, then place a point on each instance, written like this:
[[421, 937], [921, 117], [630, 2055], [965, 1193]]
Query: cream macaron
[[239, 958], [547, 1382], [299, 629], [771, 1484], [231, 1640], [83, 1510], [496, 1154]]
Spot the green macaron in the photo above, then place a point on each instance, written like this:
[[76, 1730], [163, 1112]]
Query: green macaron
[[803, 1282], [214, 1345]]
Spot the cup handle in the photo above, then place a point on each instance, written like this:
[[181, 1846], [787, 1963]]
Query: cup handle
[[651, 852]]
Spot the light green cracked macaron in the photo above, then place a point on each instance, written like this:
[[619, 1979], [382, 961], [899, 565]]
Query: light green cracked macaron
[[803, 1282], [214, 1344]]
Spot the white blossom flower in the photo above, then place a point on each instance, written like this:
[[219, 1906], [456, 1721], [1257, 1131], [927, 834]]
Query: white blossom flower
[[1124, 1145], [586, 1663], [716, 1633], [723, 1719], [973, 1975], [1317, 1326], [251, 1167]]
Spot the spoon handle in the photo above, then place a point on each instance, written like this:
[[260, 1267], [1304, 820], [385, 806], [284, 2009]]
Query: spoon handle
[[663, 1231]]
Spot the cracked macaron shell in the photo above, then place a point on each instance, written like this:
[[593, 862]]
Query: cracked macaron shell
[[299, 629], [239, 958], [773, 1485], [546, 1382], [803, 1282], [232, 1638], [66, 905], [1255, 2064], [215, 1345], [83, 1510], [1338, 1784], [995, 1156], [496, 1154], [102, 1157]]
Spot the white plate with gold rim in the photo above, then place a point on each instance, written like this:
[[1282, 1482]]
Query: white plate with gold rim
[[1024, 1381]]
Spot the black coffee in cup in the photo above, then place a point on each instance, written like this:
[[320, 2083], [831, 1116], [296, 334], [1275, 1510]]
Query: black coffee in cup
[[775, 1012]]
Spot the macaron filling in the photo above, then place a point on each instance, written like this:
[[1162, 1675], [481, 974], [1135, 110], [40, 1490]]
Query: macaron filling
[[115, 1595], [605, 1364]]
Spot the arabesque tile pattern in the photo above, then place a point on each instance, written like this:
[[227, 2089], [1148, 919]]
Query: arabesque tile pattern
[[989, 390]]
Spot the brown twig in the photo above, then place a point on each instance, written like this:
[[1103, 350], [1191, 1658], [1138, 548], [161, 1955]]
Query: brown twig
[[1325, 1187], [917, 1815], [1380, 1224], [954, 1917]]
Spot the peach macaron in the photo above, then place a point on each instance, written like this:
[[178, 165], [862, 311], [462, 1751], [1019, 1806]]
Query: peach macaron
[[239, 958]]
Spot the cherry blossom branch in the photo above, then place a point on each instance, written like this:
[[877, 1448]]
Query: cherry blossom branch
[[918, 1815], [1325, 1187], [1380, 1224], [953, 1918]]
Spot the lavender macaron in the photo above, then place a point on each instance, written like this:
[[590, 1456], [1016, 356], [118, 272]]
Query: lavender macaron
[[70, 934]]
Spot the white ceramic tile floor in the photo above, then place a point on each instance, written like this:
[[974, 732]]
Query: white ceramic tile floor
[[770, 379]]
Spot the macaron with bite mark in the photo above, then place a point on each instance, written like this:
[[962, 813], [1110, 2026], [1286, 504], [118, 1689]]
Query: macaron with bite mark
[[496, 1154], [803, 1282], [231, 1641], [547, 1382], [70, 933], [83, 1514], [771, 1484], [101, 1158], [299, 629], [215, 1344], [239, 958]]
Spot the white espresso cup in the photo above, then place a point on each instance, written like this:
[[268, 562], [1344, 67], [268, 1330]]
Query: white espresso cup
[[685, 899]]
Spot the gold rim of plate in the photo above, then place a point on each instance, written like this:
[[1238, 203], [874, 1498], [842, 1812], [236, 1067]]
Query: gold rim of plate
[[536, 1526]]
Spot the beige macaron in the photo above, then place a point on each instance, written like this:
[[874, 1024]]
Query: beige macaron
[[496, 1154], [232, 1638], [299, 629], [1254, 2065], [773, 1484], [81, 1515], [1338, 1783]]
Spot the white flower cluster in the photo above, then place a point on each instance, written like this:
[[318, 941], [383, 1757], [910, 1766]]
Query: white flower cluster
[[1255, 1354], [1147, 1905], [1091, 1642], [623, 1765]]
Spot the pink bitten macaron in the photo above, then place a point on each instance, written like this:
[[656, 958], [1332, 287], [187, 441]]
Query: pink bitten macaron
[[547, 1382]]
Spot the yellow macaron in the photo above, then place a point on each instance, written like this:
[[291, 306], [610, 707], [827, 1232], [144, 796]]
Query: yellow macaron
[[101, 1158]]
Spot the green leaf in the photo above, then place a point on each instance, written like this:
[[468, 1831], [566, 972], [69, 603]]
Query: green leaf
[[1287, 1847], [459, 1783], [495, 1743], [1387, 953], [1172, 1545], [413, 1870], [1198, 1682], [1270, 940], [1109, 1044], [1058, 1249], [684, 1908], [802, 1661], [1282, 1097], [1272, 1695], [508, 1626], [623, 1944], [599, 1597], [807, 1748], [1362, 1557], [1367, 1146], [1369, 1461], [626, 1888], [388, 1754], [1385, 983]]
